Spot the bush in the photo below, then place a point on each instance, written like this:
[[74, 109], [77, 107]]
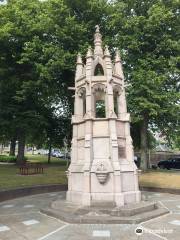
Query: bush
[[9, 159]]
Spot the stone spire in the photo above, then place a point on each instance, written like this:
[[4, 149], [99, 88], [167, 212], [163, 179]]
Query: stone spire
[[79, 59], [79, 66], [117, 56], [89, 52], [97, 43], [118, 65], [106, 52]]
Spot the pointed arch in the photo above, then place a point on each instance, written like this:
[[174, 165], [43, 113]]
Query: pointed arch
[[117, 90], [82, 100], [99, 92], [98, 70], [98, 65]]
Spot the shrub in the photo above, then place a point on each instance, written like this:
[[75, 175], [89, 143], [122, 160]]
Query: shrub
[[9, 159]]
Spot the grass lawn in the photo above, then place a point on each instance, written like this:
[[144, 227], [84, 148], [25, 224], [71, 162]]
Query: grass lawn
[[160, 179], [54, 173], [42, 159]]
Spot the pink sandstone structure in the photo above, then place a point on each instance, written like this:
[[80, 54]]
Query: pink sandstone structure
[[102, 168]]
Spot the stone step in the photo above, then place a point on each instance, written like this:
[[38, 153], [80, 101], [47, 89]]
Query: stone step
[[145, 216], [133, 209], [100, 218], [101, 204], [138, 218]]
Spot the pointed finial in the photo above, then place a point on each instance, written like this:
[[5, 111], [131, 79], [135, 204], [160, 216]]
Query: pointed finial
[[89, 52], [106, 52], [117, 56], [118, 65], [79, 59], [97, 42], [97, 28]]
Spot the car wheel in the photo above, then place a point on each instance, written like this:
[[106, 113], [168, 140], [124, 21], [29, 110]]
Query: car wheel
[[161, 167]]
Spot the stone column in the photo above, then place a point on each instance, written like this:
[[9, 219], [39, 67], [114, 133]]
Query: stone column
[[88, 70], [86, 197]]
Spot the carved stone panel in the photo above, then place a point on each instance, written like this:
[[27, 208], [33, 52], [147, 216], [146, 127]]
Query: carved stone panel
[[101, 148]]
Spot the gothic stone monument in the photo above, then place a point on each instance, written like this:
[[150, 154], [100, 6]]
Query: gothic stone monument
[[102, 176], [102, 168]]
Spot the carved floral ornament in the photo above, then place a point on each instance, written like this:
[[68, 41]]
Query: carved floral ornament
[[117, 89], [81, 91], [99, 88]]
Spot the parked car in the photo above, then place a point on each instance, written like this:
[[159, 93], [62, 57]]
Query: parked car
[[57, 153], [41, 151], [170, 163]]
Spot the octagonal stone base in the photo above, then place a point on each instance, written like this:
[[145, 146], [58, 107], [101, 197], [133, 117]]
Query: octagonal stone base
[[104, 212]]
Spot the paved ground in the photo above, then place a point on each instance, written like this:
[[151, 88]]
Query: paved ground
[[21, 219]]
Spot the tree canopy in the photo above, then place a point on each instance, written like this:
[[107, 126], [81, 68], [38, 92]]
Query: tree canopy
[[39, 41]]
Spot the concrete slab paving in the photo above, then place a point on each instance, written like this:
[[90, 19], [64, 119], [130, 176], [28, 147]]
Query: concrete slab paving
[[8, 206], [4, 228], [165, 227], [28, 206]]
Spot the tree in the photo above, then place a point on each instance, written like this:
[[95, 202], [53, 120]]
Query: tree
[[146, 33], [38, 45], [36, 49]]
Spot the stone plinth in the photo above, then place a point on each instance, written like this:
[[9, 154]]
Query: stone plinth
[[105, 213]]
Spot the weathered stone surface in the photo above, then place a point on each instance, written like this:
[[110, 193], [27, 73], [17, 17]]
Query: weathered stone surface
[[104, 214], [102, 165]]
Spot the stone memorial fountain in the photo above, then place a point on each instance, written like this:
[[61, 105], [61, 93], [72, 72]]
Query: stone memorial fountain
[[102, 176]]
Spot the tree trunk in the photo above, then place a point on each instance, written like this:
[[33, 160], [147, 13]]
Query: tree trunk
[[12, 147], [21, 147], [2, 148], [33, 150], [144, 143], [49, 153]]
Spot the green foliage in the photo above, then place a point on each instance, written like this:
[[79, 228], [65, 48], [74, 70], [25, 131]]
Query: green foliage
[[39, 41], [37, 52], [100, 109], [9, 159], [147, 33]]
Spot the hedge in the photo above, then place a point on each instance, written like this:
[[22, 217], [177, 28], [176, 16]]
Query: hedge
[[5, 158], [9, 159]]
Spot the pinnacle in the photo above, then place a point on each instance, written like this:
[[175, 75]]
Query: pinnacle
[[117, 56], [97, 42], [79, 59]]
